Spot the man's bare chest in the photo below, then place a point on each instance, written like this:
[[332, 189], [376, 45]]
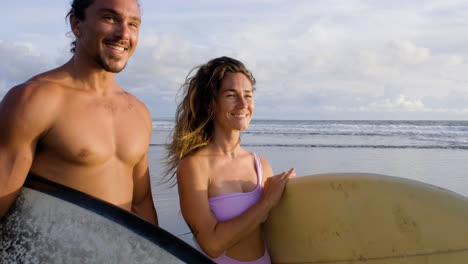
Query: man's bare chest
[[93, 134]]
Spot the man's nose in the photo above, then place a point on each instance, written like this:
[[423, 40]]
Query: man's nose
[[123, 31]]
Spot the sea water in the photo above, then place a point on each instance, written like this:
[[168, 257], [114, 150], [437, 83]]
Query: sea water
[[434, 152]]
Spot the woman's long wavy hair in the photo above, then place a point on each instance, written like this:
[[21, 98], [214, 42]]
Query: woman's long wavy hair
[[194, 116]]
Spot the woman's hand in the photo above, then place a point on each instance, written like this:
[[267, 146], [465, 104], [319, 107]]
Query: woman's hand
[[274, 187]]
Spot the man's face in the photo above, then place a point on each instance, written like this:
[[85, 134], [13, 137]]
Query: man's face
[[109, 33]]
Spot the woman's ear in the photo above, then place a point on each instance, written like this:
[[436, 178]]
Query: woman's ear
[[75, 24]]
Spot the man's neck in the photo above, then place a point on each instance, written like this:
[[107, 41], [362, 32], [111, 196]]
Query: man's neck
[[89, 76]]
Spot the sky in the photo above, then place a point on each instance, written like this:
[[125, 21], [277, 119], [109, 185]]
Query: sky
[[313, 59]]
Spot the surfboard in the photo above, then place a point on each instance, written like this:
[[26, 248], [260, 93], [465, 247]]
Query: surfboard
[[367, 218], [51, 223]]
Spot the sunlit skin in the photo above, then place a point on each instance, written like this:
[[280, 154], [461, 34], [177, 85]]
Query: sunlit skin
[[75, 125], [225, 167]]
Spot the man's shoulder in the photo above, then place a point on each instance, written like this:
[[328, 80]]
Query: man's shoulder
[[47, 82], [139, 105], [135, 100], [41, 95], [33, 90], [30, 106]]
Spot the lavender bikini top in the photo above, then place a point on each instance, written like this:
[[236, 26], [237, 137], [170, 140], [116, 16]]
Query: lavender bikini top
[[230, 205]]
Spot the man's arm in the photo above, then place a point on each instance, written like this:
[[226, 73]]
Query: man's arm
[[15, 162], [142, 203], [22, 121]]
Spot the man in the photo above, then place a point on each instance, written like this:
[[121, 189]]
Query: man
[[75, 125]]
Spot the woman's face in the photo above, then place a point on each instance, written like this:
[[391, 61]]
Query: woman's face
[[234, 102]]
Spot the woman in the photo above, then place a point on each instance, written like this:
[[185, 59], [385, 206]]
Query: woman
[[225, 191]]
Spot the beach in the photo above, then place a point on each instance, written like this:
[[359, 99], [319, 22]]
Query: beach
[[434, 152]]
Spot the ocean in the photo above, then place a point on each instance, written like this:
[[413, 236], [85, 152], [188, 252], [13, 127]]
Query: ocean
[[434, 152]]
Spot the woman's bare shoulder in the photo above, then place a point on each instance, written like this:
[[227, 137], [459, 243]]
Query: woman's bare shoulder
[[267, 170], [192, 165]]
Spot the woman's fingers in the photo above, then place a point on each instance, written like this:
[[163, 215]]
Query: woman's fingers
[[274, 186], [290, 173]]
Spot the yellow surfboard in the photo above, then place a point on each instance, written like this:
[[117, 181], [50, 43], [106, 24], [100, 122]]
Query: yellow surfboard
[[367, 218]]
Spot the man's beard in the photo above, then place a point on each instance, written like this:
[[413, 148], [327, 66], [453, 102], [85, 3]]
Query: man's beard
[[108, 67]]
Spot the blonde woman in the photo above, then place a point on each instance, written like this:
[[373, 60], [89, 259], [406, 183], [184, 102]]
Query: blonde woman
[[225, 191]]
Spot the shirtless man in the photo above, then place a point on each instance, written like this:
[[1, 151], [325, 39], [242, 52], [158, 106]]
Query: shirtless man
[[75, 125]]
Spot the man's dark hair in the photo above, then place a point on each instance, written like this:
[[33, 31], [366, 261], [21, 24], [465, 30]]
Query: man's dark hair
[[78, 8]]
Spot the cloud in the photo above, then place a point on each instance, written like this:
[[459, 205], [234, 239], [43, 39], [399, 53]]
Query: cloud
[[401, 103], [158, 68], [19, 63], [165, 56], [323, 56], [334, 104], [326, 58], [407, 52]]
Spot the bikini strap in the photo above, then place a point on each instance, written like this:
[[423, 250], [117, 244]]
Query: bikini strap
[[258, 166]]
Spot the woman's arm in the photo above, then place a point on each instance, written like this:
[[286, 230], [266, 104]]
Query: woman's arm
[[215, 237]]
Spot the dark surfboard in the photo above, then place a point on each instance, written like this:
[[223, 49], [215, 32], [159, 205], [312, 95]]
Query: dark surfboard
[[51, 223]]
